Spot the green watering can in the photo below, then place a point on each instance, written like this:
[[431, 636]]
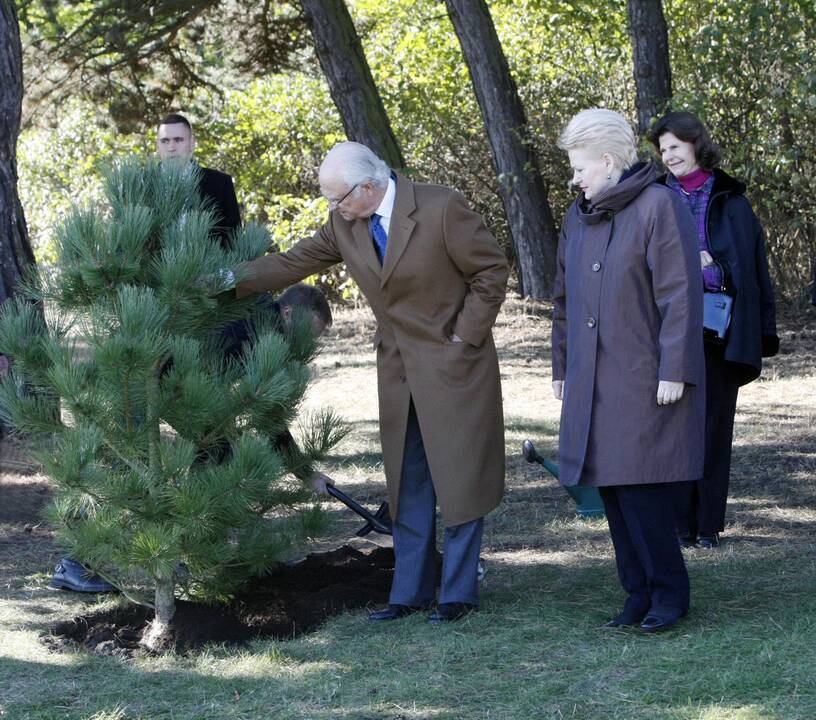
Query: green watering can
[[588, 503]]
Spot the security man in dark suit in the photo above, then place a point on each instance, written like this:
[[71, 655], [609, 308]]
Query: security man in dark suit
[[175, 141]]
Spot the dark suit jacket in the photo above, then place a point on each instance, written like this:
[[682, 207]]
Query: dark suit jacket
[[218, 190], [813, 286]]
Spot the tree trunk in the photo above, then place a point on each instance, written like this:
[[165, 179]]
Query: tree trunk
[[522, 188], [650, 50], [351, 84], [16, 257], [159, 636]]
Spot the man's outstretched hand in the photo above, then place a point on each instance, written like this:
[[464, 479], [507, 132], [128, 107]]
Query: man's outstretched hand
[[319, 482]]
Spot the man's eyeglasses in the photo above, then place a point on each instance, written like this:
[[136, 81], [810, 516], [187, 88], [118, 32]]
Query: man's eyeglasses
[[336, 203]]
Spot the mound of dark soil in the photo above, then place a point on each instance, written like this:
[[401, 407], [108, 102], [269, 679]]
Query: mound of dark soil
[[290, 601]]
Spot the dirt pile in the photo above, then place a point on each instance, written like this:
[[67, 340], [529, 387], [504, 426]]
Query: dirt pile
[[290, 601]]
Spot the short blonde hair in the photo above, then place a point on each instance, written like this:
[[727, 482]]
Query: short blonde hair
[[603, 131]]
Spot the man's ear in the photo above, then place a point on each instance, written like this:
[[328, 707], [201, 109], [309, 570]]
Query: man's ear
[[285, 311]]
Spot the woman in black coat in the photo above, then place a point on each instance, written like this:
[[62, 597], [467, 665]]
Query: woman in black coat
[[732, 256]]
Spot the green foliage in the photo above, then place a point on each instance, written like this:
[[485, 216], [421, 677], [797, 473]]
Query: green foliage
[[747, 67], [749, 70], [139, 58], [167, 453], [60, 165]]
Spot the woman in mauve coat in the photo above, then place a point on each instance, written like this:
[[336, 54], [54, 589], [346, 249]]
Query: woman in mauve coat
[[628, 358], [731, 247]]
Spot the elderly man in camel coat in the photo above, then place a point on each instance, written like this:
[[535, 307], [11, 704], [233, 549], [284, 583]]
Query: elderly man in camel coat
[[435, 278]]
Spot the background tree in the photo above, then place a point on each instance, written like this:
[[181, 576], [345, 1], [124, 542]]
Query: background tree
[[523, 191], [139, 59], [747, 68], [166, 456], [650, 51], [16, 256], [342, 58]]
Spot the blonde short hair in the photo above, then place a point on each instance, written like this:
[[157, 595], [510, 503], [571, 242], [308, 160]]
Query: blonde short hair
[[603, 131]]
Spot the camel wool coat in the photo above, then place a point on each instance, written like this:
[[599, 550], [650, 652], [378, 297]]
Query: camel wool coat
[[443, 273], [627, 313]]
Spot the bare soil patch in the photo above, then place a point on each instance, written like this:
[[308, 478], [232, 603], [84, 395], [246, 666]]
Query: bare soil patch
[[292, 600]]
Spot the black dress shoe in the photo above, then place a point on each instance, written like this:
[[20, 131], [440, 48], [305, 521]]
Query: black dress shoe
[[392, 612], [687, 541], [655, 622], [450, 612], [707, 542], [616, 622], [70, 575], [624, 619]]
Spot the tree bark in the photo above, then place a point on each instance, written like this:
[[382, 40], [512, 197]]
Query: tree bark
[[159, 635], [351, 84], [523, 191], [650, 50], [16, 256]]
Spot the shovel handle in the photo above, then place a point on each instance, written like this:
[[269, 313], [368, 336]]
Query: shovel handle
[[359, 509]]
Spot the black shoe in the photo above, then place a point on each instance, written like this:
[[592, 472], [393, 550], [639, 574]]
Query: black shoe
[[624, 619], [392, 612], [619, 622], [450, 612], [655, 622], [687, 541], [707, 542], [70, 575]]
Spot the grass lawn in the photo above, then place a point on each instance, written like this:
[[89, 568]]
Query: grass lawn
[[747, 651]]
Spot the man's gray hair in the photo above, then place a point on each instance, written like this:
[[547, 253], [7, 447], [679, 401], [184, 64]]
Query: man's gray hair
[[356, 164]]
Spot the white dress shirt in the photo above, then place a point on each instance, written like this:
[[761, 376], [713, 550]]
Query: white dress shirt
[[386, 206]]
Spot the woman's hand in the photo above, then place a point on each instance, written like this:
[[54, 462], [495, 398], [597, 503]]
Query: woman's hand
[[558, 389], [669, 392]]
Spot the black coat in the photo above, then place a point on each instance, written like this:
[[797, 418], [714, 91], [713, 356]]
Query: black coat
[[813, 286], [218, 190], [737, 243]]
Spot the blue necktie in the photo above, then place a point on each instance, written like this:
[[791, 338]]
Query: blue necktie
[[379, 236]]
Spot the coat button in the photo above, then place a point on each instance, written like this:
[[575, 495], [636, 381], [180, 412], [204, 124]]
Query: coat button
[[591, 322], [596, 266]]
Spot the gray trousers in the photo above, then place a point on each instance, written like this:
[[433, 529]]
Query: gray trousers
[[415, 537]]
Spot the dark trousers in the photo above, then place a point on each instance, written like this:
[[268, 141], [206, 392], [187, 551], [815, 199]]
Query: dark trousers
[[700, 505], [650, 563], [414, 531]]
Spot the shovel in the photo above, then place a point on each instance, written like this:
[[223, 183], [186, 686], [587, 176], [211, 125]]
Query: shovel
[[379, 521], [587, 499]]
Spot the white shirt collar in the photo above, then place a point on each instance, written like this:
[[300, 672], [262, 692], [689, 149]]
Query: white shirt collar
[[386, 206]]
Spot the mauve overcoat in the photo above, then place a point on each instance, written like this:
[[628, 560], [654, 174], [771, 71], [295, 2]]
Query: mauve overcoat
[[628, 313], [443, 273]]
